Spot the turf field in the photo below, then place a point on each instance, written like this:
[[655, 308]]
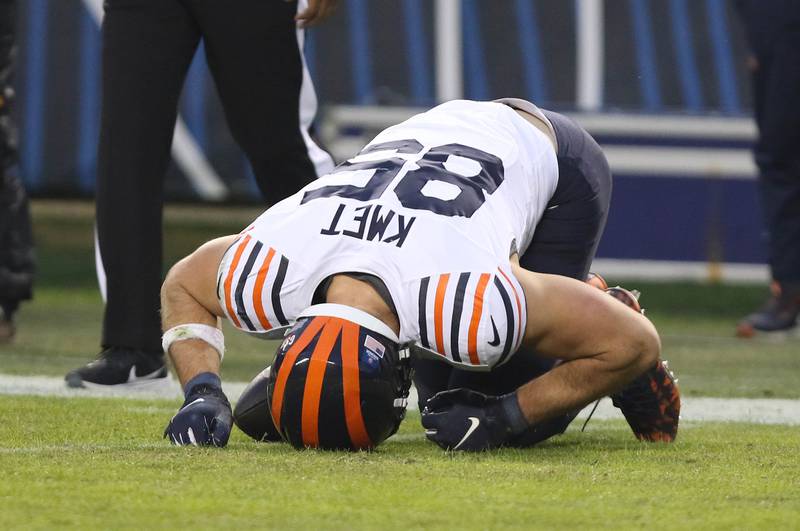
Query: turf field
[[90, 463], [100, 463]]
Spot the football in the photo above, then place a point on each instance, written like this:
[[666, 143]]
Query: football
[[251, 413]]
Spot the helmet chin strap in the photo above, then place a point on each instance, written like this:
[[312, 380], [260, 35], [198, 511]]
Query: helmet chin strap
[[352, 314]]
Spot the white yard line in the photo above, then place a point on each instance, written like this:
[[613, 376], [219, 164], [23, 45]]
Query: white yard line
[[758, 410], [54, 386]]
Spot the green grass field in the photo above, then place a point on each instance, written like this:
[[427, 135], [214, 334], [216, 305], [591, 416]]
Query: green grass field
[[93, 463], [100, 463]]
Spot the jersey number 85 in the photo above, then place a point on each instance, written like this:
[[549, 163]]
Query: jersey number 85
[[472, 190]]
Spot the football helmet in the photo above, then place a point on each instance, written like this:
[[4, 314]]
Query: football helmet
[[339, 380]]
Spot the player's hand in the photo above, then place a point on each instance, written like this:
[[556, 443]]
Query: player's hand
[[462, 419], [316, 12], [204, 419]]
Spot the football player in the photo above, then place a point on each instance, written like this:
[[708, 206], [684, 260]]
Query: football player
[[449, 239]]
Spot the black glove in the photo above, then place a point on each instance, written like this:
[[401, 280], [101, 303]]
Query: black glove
[[462, 419], [205, 417]]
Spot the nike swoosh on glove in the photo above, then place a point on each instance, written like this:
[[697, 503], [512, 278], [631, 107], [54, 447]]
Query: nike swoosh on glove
[[462, 419], [205, 418]]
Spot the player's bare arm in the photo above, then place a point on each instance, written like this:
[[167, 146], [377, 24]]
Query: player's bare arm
[[603, 343], [188, 296], [602, 347], [194, 342]]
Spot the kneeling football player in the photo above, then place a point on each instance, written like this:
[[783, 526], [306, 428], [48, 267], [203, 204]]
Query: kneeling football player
[[448, 244]]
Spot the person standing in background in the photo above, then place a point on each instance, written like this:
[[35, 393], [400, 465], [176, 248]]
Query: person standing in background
[[773, 30], [254, 52], [17, 262]]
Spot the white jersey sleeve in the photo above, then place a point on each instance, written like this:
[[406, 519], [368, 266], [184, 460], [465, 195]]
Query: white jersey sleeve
[[471, 319], [250, 285]]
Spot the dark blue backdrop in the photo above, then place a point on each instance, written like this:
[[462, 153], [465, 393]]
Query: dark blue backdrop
[[661, 56]]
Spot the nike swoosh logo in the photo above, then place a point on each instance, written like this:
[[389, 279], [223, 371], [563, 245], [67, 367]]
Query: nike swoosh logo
[[133, 378], [474, 423], [190, 404], [496, 341], [196, 400]]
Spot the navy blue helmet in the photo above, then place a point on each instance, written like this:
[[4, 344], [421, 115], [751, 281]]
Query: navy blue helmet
[[339, 381]]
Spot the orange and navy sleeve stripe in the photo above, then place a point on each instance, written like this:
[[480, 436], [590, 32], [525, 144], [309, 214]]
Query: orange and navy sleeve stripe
[[512, 299], [450, 309], [469, 318], [477, 311], [250, 285]]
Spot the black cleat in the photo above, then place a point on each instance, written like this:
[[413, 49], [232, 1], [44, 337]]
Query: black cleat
[[119, 366], [652, 404], [777, 317]]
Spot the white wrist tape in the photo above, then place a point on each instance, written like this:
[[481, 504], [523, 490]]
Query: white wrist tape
[[210, 334]]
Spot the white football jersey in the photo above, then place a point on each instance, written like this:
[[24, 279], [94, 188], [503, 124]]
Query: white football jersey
[[433, 207]]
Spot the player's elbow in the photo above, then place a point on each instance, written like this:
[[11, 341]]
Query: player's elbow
[[637, 348], [174, 284]]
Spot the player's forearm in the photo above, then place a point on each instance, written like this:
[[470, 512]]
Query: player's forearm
[[190, 357], [188, 297], [572, 385], [602, 344], [193, 357], [577, 382]]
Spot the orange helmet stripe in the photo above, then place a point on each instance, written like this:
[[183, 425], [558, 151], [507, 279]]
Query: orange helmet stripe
[[438, 309], [356, 428], [477, 309], [229, 280], [314, 377], [258, 304], [286, 367]]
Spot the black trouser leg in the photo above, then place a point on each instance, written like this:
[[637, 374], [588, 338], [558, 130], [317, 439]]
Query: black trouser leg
[[777, 85], [253, 54], [147, 48]]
